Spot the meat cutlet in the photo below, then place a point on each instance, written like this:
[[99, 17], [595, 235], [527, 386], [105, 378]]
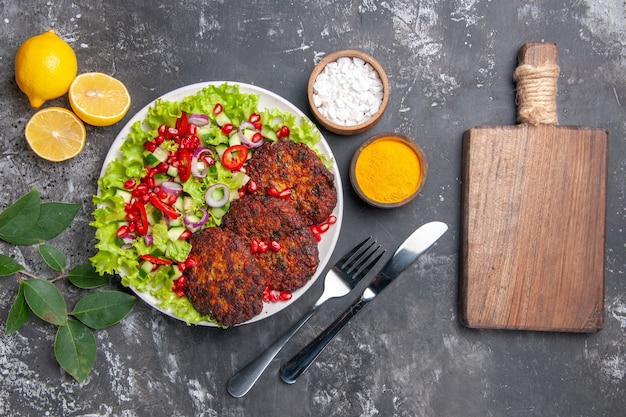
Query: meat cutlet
[[227, 283], [264, 218], [289, 165]]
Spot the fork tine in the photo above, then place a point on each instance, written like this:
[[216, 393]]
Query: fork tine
[[369, 266], [357, 262], [350, 254]]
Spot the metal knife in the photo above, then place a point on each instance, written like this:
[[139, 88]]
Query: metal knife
[[416, 244]]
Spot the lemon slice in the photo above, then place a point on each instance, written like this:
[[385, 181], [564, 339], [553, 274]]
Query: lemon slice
[[99, 99], [55, 134]]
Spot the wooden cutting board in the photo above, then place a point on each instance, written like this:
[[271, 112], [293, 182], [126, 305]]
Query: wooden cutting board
[[534, 219]]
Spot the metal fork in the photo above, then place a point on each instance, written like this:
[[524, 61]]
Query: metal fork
[[343, 277]]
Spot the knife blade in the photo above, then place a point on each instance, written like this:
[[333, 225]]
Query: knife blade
[[411, 249]]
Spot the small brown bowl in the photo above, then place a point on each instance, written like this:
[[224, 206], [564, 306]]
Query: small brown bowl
[[348, 129], [389, 160]]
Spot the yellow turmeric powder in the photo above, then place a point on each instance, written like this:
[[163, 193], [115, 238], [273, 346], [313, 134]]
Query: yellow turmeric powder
[[388, 170]]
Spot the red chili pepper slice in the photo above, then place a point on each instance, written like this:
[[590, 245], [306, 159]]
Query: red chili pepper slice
[[234, 157], [155, 260], [141, 223], [184, 164], [167, 210], [182, 124]]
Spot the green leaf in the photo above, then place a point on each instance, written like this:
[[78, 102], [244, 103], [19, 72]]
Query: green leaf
[[54, 218], [19, 312], [103, 308], [46, 301], [8, 266], [20, 216], [53, 257], [75, 349], [85, 276]]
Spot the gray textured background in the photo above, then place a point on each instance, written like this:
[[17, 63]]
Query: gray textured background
[[450, 67]]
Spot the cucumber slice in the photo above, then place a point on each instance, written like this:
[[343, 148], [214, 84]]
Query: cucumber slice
[[145, 269], [174, 233], [221, 119], [269, 134]]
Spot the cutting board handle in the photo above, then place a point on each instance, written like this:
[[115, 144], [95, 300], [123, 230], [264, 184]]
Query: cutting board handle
[[536, 77]]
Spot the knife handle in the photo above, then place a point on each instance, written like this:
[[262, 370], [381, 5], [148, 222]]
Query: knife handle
[[291, 370]]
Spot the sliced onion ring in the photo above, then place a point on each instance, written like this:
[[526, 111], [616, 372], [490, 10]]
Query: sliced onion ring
[[172, 187], [197, 155], [198, 119], [211, 201], [247, 142], [194, 224]]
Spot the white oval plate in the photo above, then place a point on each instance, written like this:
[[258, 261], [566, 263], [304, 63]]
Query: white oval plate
[[267, 100]]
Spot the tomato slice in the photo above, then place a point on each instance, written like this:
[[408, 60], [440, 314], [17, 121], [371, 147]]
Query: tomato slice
[[234, 157]]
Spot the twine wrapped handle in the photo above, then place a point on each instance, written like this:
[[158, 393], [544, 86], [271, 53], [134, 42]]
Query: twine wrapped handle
[[536, 77]]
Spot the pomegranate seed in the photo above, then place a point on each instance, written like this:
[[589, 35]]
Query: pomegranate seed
[[180, 293], [273, 192], [263, 247], [322, 228], [140, 190], [150, 146], [252, 187], [284, 131], [182, 266], [242, 191], [285, 193], [130, 184], [258, 125], [185, 235], [274, 295], [254, 118], [162, 168], [192, 129], [332, 219], [122, 231], [191, 263], [218, 108], [159, 140], [228, 128], [285, 295], [275, 246], [162, 129], [257, 137], [162, 194], [171, 132], [254, 246]]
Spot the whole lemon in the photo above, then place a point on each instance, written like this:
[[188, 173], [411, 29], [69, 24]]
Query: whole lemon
[[45, 66]]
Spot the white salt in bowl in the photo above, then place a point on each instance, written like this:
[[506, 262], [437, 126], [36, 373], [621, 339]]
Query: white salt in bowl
[[348, 92]]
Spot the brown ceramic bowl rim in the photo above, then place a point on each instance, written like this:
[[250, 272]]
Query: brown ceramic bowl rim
[[362, 127], [402, 138]]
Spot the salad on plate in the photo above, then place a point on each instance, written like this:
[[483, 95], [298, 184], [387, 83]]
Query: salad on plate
[[173, 171]]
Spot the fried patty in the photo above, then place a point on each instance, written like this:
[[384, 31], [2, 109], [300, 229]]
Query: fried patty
[[227, 283], [294, 264], [259, 216], [264, 218], [289, 165]]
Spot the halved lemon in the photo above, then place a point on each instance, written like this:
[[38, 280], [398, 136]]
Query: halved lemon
[[99, 99], [55, 134]]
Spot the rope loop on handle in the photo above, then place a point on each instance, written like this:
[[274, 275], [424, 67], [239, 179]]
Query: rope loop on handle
[[536, 93]]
